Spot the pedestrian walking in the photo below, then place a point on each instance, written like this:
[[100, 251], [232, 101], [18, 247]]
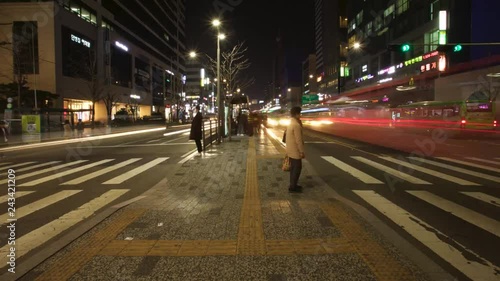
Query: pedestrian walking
[[196, 133], [68, 131], [295, 148], [79, 128], [4, 127]]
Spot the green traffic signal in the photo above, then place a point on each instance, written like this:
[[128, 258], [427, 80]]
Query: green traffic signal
[[457, 48], [405, 48]]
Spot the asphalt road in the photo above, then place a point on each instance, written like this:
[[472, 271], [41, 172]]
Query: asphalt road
[[430, 201], [58, 187]]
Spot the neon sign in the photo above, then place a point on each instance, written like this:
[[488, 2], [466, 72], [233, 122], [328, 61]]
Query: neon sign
[[79, 40], [364, 78], [121, 46]]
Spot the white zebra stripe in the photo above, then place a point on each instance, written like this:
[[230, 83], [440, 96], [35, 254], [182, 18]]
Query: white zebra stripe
[[134, 172], [100, 172], [35, 167], [457, 169], [429, 171], [483, 197], [470, 164], [472, 217], [18, 194], [391, 171], [16, 165], [476, 267], [483, 160], [40, 204], [48, 170], [353, 171], [64, 173], [46, 232]]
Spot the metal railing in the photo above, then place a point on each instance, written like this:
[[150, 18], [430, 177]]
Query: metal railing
[[209, 132]]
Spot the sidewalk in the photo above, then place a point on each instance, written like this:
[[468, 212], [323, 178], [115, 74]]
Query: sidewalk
[[15, 140], [228, 215]]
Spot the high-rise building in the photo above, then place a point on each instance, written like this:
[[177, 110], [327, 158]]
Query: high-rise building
[[309, 84], [330, 44], [81, 48], [397, 49]]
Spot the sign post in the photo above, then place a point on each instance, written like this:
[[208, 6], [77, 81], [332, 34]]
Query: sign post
[[31, 128]]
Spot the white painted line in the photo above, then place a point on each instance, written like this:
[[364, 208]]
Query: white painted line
[[44, 233], [153, 141], [37, 166], [78, 140], [16, 165], [483, 197], [457, 169], [176, 132], [475, 267], [391, 171], [171, 141], [48, 170], [472, 217], [430, 172], [18, 194], [470, 164], [100, 172], [132, 173], [185, 159], [64, 173], [189, 152], [142, 145], [353, 171], [39, 204], [7, 165], [483, 160]]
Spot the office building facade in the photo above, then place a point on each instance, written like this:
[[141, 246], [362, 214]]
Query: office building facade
[[132, 49]]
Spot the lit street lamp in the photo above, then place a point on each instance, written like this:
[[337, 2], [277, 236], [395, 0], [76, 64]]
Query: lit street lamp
[[220, 102]]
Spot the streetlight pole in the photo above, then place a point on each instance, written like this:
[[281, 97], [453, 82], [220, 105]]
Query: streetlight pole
[[220, 102]]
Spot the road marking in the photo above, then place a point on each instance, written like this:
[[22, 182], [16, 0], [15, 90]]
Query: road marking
[[353, 171], [36, 166], [476, 267], [64, 173], [51, 169], [40, 204], [153, 140], [463, 213], [170, 141], [100, 172], [470, 164], [44, 233], [16, 165], [391, 171], [460, 170], [186, 158], [483, 197], [18, 194], [483, 160], [7, 165], [430, 172], [189, 152], [132, 173], [142, 145]]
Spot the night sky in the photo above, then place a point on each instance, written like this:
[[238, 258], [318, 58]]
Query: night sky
[[257, 23]]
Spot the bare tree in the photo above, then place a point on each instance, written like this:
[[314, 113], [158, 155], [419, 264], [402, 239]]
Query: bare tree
[[95, 82], [232, 64], [110, 99]]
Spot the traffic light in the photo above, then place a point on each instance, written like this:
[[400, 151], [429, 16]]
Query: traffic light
[[400, 47], [449, 48]]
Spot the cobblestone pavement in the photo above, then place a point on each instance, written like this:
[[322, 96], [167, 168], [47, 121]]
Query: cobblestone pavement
[[227, 215]]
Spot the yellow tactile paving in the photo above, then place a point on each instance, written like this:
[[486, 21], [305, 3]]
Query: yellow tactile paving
[[78, 257], [251, 217], [250, 241]]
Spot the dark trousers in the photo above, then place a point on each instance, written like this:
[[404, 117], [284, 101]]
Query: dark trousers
[[295, 169], [198, 145]]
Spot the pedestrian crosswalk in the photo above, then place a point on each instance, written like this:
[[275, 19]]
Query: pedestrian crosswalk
[[418, 171], [39, 236], [435, 237]]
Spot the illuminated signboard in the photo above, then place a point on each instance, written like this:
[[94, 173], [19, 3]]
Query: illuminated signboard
[[364, 68], [428, 67], [364, 78], [385, 80], [421, 58], [79, 40], [121, 46]]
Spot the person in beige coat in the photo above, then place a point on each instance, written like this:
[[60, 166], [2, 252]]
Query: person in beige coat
[[295, 148]]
